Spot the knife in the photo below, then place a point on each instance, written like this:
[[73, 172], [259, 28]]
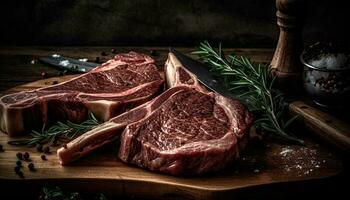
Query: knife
[[328, 127], [206, 77], [71, 64]]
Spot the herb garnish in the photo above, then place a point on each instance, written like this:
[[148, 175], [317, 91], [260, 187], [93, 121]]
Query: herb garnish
[[56, 193], [58, 132], [255, 84]]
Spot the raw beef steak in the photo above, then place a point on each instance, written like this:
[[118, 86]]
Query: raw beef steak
[[110, 131], [126, 81], [192, 132], [185, 130]]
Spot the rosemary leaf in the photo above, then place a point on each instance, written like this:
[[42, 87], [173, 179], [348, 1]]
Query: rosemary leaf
[[255, 84], [58, 132]]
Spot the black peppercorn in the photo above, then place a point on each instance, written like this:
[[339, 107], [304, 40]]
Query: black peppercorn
[[1, 148], [19, 163], [46, 149], [97, 60], [103, 53], [43, 157], [31, 167], [20, 174], [26, 156], [17, 169], [19, 155], [39, 148], [65, 146], [54, 82]]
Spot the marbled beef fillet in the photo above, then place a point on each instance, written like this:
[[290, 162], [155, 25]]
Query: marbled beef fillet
[[126, 81], [185, 130]]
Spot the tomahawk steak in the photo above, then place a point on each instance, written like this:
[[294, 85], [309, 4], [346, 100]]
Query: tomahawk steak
[[121, 83], [191, 132], [185, 130]]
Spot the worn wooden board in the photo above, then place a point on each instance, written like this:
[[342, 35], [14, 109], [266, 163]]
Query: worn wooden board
[[260, 165], [332, 129]]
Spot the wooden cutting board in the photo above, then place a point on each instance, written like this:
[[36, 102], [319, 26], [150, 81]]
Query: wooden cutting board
[[261, 165]]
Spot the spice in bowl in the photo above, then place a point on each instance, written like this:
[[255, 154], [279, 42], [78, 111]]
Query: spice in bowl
[[327, 74]]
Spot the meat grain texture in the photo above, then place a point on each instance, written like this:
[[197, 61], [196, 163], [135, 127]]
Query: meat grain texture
[[184, 131], [124, 82]]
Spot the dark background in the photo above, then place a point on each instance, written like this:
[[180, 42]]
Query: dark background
[[237, 23]]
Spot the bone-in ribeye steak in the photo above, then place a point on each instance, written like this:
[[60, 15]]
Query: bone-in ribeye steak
[[185, 130], [126, 81]]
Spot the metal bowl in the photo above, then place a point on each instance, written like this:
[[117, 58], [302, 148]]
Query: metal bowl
[[326, 76]]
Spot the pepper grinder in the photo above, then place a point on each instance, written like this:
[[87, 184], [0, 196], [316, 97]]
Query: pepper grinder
[[286, 63]]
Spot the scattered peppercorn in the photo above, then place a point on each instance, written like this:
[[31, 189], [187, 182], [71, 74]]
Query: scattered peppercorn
[[103, 53], [26, 156], [54, 82], [97, 60], [31, 167], [43, 157], [113, 51], [46, 149], [39, 148], [19, 163], [1, 148], [17, 169], [20, 174], [19, 155], [65, 146]]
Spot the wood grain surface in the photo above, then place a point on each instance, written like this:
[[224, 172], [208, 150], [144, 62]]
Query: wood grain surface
[[325, 125], [262, 164]]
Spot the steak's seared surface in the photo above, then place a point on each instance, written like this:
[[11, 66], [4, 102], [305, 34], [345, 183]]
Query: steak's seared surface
[[125, 81]]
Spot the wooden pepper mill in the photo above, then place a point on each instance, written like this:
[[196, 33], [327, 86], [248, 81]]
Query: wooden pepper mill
[[286, 62]]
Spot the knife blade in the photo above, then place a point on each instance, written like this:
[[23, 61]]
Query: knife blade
[[206, 77], [71, 64]]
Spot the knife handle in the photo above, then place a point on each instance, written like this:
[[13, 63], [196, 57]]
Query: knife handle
[[324, 125]]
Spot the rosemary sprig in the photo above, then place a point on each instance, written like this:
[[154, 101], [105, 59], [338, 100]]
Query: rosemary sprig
[[56, 193], [253, 83], [58, 132]]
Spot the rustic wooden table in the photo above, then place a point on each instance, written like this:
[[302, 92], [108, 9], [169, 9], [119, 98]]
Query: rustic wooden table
[[20, 65]]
